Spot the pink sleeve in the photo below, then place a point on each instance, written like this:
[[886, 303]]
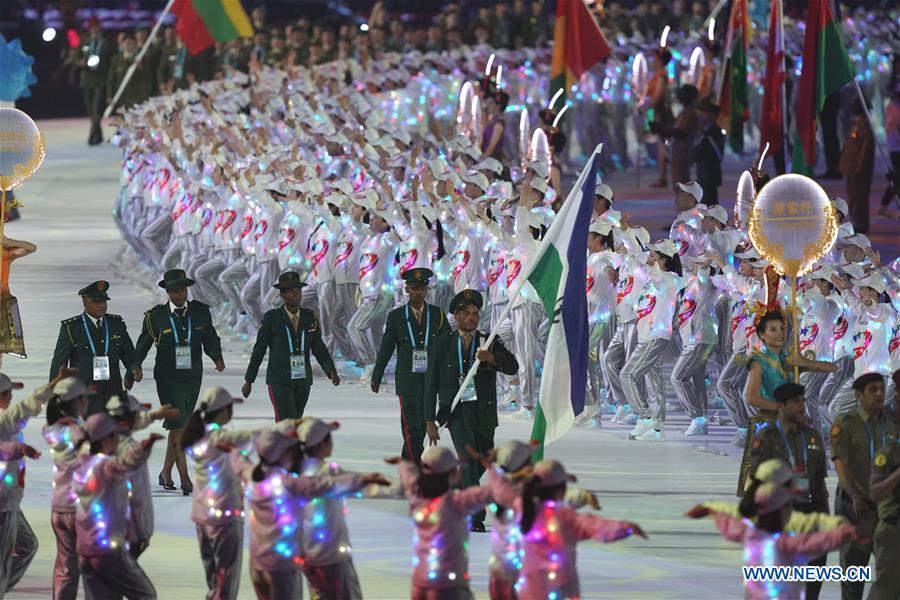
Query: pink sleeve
[[317, 486], [505, 492], [10, 451], [592, 527], [813, 544], [730, 527], [471, 499]]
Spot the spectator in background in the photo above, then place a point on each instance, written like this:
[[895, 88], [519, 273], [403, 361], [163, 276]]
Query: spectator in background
[[856, 164], [482, 20], [435, 41], [698, 17], [396, 42], [139, 86], [682, 134], [258, 18], [96, 53], [277, 52], [708, 152], [892, 131], [502, 31]]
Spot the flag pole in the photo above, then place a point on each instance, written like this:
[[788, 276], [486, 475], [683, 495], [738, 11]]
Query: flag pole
[[865, 109], [137, 60], [542, 249], [785, 134]]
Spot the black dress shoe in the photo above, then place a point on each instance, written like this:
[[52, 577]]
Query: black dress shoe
[[187, 489], [166, 485], [477, 527]]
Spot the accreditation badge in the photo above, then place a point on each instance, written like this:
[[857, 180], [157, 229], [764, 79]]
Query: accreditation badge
[[101, 368], [182, 357], [468, 394], [298, 366], [419, 361]]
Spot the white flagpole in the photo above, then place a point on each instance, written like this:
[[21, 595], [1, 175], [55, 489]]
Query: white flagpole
[[131, 69], [542, 249]]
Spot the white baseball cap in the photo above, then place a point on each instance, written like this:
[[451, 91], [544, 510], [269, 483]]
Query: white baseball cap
[[490, 164], [858, 240], [716, 212], [514, 455], [539, 183], [312, 431], [691, 187], [601, 189], [477, 179], [840, 205], [771, 497], [823, 271], [7, 384], [117, 407], [99, 425], [667, 247], [774, 471], [439, 459], [551, 472], [600, 227], [217, 398], [271, 445], [67, 389], [872, 280]]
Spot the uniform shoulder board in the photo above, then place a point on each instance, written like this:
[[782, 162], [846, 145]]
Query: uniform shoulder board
[[116, 317], [70, 320]]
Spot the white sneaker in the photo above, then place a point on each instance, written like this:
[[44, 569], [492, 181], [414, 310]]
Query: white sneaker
[[594, 423], [509, 407], [641, 427], [624, 416], [652, 435], [697, 427], [740, 438]]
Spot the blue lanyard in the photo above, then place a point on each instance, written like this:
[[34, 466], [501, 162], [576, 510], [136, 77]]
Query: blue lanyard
[[459, 354], [872, 440], [90, 338], [787, 445], [175, 331], [412, 339], [287, 330], [95, 46]]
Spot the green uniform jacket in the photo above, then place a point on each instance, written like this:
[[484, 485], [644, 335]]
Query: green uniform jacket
[[396, 336], [139, 86], [157, 330], [95, 77], [273, 337], [886, 461], [73, 349], [850, 441], [768, 443], [442, 383]]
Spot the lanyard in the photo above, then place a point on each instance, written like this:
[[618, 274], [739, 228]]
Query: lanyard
[[175, 331], [459, 354], [95, 46], [291, 339], [787, 445], [872, 439], [90, 338], [412, 338]]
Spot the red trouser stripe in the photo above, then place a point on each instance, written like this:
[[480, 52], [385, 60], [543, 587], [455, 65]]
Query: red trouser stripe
[[274, 406]]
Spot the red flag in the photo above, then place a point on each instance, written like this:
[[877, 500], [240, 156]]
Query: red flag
[[771, 124], [578, 45], [191, 28]]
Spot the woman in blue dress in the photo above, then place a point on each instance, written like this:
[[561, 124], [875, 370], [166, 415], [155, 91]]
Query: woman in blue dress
[[770, 367]]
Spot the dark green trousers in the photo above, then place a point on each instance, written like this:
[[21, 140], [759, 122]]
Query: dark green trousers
[[887, 557], [412, 426], [853, 553], [483, 443], [289, 399]]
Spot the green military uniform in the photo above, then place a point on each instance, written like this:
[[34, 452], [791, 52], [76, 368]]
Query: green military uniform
[[856, 437], [83, 344], [474, 419], [887, 532], [139, 86], [93, 80], [174, 63], [803, 449], [405, 333], [288, 387], [172, 332]]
